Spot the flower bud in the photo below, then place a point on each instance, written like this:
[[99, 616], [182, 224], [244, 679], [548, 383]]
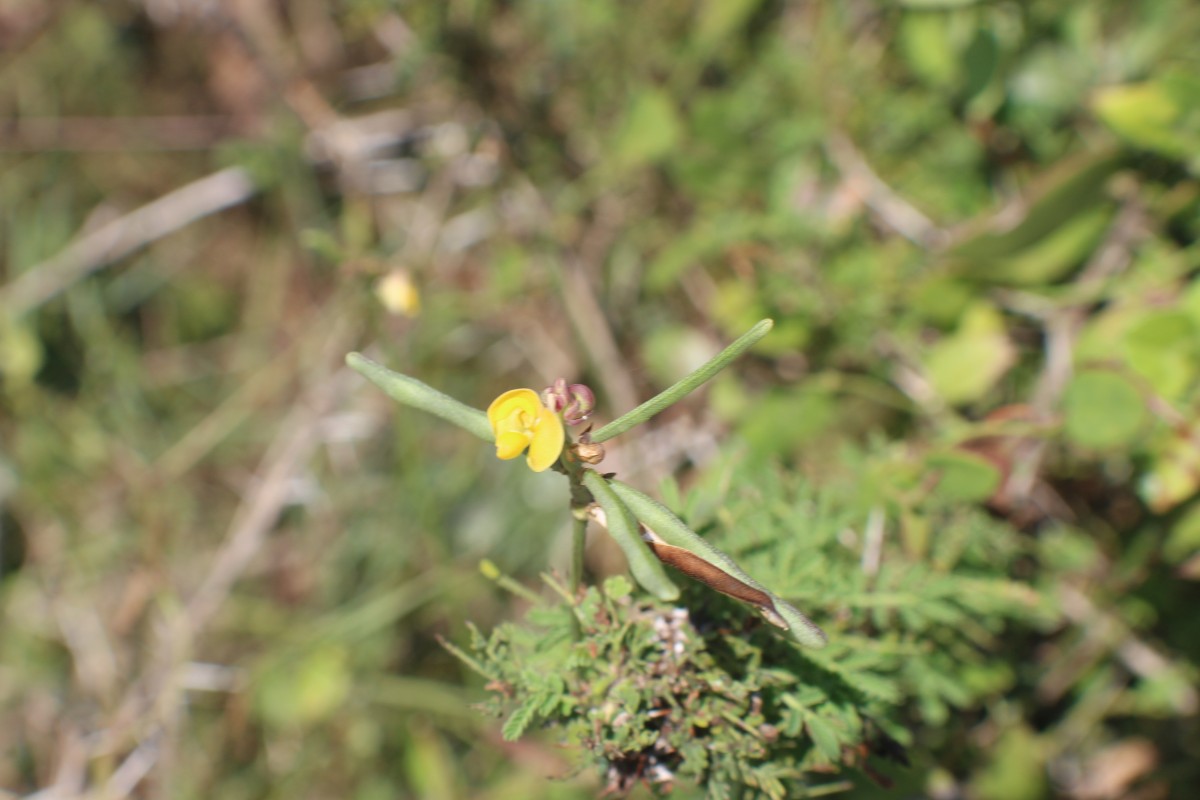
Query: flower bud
[[580, 404], [556, 397]]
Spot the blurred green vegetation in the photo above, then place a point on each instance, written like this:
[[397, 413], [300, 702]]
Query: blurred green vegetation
[[226, 561]]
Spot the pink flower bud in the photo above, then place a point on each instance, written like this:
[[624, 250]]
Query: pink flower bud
[[580, 405], [556, 397]]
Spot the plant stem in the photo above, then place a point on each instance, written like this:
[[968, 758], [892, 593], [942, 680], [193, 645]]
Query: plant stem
[[684, 387], [578, 540]]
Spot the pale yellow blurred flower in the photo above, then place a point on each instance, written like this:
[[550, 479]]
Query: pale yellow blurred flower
[[397, 293]]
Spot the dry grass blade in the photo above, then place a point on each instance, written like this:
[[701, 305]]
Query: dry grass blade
[[117, 239]]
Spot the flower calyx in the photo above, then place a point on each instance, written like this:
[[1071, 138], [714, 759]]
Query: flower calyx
[[576, 401], [586, 450]]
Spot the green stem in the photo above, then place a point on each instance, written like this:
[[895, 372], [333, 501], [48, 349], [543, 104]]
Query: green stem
[[491, 571], [578, 540], [411, 392], [684, 387]]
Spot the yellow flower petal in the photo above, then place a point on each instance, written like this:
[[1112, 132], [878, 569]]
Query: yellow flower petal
[[547, 444], [520, 421], [397, 293], [502, 407], [510, 445]]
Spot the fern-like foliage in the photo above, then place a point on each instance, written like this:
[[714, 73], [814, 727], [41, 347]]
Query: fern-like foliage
[[700, 692]]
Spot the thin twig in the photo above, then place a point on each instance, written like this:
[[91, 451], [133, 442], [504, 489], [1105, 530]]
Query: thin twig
[[872, 554], [289, 451], [594, 332], [1106, 629], [117, 239], [135, 767], [1061, 328], [892, 210]]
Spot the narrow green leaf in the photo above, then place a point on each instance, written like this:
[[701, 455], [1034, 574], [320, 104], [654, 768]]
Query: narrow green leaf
[[474, 664], [734, 581], [1058, 196], [685, 386], [411, 392], [623, 527], [1053, 256], [823, 736], [516, 724]]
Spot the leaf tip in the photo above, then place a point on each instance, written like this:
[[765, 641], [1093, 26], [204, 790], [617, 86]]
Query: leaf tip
[[803, 629], [668, 593]]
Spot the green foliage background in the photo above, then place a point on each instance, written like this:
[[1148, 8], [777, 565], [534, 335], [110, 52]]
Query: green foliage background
[[969, 448]]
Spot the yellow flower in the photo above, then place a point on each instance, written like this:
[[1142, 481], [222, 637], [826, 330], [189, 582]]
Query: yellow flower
[[520, 421], [398, 294]]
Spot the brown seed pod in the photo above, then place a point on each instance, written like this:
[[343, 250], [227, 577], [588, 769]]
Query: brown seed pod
[[697, 568]]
